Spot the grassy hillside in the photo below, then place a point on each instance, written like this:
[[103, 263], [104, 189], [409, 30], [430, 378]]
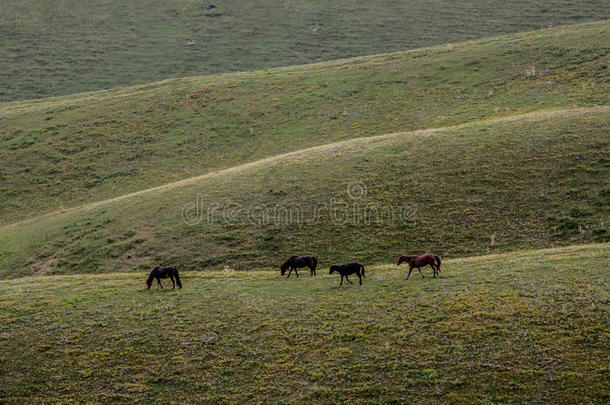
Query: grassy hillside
[[67, 46], [524, 327], [67, 151], [533, 180]]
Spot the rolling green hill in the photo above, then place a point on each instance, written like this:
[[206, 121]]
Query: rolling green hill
[[474, 148], [531, 180], [522, 327], [59, 47], [64, 152]]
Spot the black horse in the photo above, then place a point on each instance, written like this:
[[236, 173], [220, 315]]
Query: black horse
[[164, 272], [296, 262], [347, 269]]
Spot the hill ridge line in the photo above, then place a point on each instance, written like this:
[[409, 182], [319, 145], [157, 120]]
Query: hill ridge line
[[20, 106], [280, 157], [459, 259]]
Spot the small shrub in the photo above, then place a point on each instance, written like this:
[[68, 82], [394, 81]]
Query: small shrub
[[601, 235], [576, 212]]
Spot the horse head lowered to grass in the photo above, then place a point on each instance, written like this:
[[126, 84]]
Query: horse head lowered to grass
[[164, 272], [347, 269], [296, 262]]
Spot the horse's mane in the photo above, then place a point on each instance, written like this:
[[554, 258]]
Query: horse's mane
[[152, 273], [404, 258], [291, 259]]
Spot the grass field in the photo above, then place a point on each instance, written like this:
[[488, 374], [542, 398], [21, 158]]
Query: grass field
[[67, 151], [59, 47], [492, 153], [524, 327], [528, 181]]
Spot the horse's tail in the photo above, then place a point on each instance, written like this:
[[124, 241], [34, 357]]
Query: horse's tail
[[178, 279], [438, 261], [315, 262], [362, 267]]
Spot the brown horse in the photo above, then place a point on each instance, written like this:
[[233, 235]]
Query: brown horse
[[421, 261], [296, 262]]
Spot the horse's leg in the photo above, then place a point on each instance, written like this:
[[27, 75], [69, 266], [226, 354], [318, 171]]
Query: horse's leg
[[419, 269], [409, 275], [173, 282], [359, 278], [289, 271], [159, 283], [296, 272], [341, 280], [347, 278]]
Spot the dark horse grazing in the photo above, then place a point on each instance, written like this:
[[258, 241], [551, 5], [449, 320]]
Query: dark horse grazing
[[347, 269], [296, 262], [421, 261], [164, 272]]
